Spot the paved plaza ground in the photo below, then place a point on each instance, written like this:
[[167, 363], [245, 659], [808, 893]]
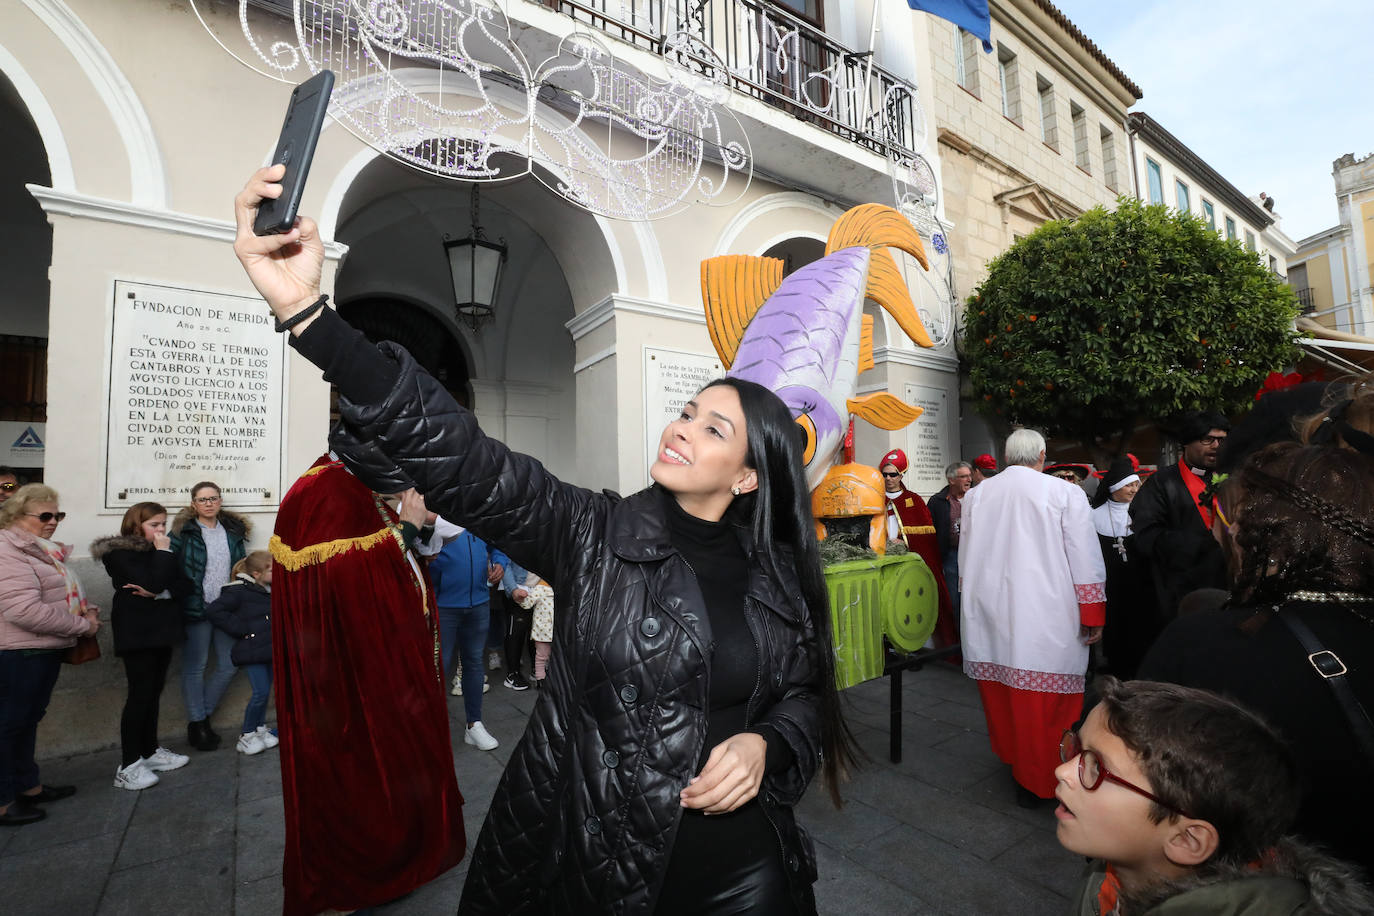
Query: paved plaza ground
[[938, 833]]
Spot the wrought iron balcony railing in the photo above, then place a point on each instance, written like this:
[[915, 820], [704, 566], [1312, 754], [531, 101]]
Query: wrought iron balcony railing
[[1305, 299], [773, 55]]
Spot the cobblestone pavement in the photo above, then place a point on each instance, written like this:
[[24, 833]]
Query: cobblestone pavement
[[938, 833]]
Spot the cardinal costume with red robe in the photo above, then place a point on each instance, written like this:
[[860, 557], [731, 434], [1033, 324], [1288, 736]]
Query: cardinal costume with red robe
[[909, 520], [372, 803]]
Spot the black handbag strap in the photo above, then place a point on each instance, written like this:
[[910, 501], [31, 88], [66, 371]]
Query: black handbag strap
[[1332, 670]]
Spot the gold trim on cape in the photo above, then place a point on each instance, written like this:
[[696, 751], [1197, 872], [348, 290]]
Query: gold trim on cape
[[296, 559]]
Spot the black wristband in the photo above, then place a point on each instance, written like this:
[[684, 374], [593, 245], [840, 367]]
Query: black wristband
[[303, 314]]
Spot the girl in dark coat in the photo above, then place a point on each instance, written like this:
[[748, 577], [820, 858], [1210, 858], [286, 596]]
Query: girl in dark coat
[[244, 611], [149, 591], [693, 672]]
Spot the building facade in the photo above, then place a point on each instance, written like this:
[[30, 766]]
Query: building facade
[[1332, 269], [1165, 171], [138, 359], [1034, 131]]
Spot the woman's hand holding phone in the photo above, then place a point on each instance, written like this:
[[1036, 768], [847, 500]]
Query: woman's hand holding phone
[[285, 269]]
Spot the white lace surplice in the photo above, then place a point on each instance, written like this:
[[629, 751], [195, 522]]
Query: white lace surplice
[[1028, 558]]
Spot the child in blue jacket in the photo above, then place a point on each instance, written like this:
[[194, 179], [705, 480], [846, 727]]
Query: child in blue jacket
[[243, 609]]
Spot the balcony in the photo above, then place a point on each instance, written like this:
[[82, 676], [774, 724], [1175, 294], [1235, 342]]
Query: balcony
[[1306, 300], [774, 56]]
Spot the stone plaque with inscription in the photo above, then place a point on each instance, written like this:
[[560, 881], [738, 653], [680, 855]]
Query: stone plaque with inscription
[[196, 392], [929, 446], [671, 377]]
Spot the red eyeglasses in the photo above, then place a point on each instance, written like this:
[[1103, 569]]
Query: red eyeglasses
[[1091, 771]]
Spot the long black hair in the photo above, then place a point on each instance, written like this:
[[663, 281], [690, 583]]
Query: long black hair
[[780, 513]]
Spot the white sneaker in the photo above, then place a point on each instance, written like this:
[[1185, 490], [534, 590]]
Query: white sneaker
[[457, 690], [250, 744], [163, 759], [135, 776], [269, 740], [480, 738]]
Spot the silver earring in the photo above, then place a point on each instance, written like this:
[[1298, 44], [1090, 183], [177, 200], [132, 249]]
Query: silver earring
[[735, 490]]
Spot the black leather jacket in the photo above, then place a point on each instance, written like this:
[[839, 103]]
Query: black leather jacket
[[584, 818]]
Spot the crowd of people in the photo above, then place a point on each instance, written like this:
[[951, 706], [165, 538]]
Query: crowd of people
[[682, 649]]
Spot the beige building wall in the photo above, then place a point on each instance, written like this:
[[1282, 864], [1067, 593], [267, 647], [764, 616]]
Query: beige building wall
[[1262, 236], [1006, 171], [1339, 261]]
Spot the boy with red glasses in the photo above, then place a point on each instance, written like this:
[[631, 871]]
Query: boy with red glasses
[[1183, 798]]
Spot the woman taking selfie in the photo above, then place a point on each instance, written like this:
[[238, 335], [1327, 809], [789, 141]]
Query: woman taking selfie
[[691, 694]]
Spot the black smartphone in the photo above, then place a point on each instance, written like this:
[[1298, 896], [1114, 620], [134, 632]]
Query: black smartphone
[[295, 148]]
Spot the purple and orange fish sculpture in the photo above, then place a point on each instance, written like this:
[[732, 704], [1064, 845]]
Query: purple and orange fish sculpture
[[806, 337]]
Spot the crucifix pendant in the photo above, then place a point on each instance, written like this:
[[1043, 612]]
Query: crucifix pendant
[[1120, 545]]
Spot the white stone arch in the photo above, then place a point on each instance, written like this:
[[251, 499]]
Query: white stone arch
[[147, 173], [740, 223], [739, 227], [49, 128], [420, 81]]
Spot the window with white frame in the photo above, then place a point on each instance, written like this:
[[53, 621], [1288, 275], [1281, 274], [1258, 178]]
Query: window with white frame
[[966, 48], [1230, 229], [1009, 82], [1209, 214], [1108, 156], [1080, 136], [1049, 130], [1181, 192], [1155, 178]]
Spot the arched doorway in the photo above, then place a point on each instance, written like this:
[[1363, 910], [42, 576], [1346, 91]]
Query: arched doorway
[[516, 371], [420, 332], [24, 261], [796, 252]]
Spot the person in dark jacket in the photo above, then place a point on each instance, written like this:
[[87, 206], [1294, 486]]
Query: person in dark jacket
[[149, 589], [945, 512], [693, 669], [208, 540], [244, 611], [1173, 531], [1303, 560]]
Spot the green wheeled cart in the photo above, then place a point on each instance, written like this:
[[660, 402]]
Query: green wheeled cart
[[895, 596]]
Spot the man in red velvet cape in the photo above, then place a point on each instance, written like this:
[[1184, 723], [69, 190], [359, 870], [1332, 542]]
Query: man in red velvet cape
[[909, 520], [372, 804]]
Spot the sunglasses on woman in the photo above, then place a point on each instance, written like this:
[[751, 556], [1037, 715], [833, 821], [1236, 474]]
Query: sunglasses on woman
[[46, 517], [1092, 772]]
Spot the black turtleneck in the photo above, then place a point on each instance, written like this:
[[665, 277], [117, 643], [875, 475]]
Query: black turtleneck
[[718, 559]]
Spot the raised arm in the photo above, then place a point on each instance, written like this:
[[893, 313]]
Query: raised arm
[[389, 401]]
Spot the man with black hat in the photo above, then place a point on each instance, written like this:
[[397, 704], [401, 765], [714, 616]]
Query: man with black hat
[[1173, 530]]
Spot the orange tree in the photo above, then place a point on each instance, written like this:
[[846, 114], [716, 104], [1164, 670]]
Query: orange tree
[[1086, 327]]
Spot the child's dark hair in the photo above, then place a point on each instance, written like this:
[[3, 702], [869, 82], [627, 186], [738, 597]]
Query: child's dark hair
[[1209, 756]]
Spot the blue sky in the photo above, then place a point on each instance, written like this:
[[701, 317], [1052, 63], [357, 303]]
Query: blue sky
[[1254, 87]]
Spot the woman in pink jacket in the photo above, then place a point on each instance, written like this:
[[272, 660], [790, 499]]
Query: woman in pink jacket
[[42, 611]]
